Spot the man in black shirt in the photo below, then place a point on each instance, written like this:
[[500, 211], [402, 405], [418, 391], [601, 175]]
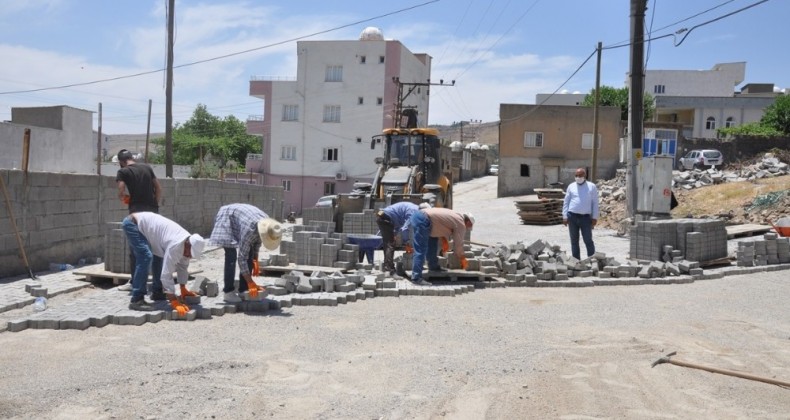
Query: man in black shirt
[[140, 190]]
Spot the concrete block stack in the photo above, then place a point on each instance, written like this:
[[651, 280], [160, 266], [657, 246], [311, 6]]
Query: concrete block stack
[[770, 250], [360, 223], [319, 245], [116, 251], [696, 239], [317, 214]]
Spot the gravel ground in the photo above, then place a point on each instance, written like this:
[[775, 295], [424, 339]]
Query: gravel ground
[[494, 353]]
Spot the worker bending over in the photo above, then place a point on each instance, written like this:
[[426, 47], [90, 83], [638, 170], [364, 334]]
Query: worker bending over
[[431, 224]]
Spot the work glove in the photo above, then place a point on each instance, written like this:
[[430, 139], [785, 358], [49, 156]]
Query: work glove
[[256, 269], [408, 249], [181, 308], [464, 263], [186, 292], [253, 289], [445, 245], [126, 199]]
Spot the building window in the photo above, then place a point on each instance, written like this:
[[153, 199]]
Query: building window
[[587, 141], [334, 74], [524, 170], [379, 101], [533, 139], [330, 154], [658, 89], [286, 185], [332, 113], [362, 59], [360, 100], [381, 59], [329, 188], [729, 122], [288, 153], [710, 123], [290, 112], [359, 139]]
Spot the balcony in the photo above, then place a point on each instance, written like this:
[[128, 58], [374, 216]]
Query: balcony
[[255, 125]]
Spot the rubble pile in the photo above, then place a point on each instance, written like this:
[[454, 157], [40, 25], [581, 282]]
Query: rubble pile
[[769, 166]]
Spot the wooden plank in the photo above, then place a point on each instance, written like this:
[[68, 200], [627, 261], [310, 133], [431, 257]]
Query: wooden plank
[[279, 270], [97, 272], [745, 230]]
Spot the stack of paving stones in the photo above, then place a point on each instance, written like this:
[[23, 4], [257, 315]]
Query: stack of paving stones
[[360, 223], [317, 244], [116, 251], [696, 239], [317, 214], [770, 250]]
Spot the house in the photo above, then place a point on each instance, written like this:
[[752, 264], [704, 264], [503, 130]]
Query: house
[[543, 145], [703, 101], [316, 128], [61, 140]]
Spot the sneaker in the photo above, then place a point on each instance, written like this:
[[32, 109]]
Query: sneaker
[[127, 287], [395, 275], [232, 297], [141, 305], [421, 282], [157, 296]]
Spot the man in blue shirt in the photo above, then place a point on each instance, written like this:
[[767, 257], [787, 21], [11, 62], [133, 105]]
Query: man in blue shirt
[[394, 220], [580, 212]]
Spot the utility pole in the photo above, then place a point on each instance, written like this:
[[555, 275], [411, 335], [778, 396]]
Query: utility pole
[[171, 12], [98, 145], [594, 167], [148, 131], [402, 97], [636, 95], [470, 122]]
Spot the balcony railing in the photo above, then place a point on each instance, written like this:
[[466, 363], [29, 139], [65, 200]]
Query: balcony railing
[[273, 78]]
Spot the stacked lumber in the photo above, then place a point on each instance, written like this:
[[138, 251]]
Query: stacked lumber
[[549, 193], [540, 211]]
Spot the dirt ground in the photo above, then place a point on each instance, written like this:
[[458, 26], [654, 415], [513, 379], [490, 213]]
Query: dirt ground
[[508, 353]]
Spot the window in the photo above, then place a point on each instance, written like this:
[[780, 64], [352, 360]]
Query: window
[[587, 141], [710, 123], [287, 185], [329, 188], [659, 89], [381, 59], [290, 112], [332, 113], [524, 170], [360, 100], [533, 139], [334, 74], [362, 59], [379, 101], [288, 153], [729, 122], [331, 155], [359, 139]]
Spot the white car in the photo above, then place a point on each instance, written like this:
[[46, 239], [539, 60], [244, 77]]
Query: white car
[[494, 169], [326, 201], [700, 159]]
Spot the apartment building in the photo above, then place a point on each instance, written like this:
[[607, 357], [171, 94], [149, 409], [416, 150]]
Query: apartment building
[[317, 127]]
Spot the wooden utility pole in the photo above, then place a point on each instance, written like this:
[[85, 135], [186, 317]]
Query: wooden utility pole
[[635, 98], [171, 12], [594, 168], [148, 131], [98, 146], [26, 151]]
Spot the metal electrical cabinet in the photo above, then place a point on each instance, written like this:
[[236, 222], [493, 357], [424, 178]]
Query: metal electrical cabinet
[[655, 184]]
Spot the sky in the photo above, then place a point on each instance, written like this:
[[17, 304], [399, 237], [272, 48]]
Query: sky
[[498, 51]]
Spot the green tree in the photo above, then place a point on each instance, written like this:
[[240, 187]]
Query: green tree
[[619, 97], [757, 129], [777, 115], [206, 137]]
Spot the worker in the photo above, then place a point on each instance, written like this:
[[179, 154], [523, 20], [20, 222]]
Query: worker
[[580, 212], [140, 190], [429, 225], [394, 220], [150, 234], [240, 229]]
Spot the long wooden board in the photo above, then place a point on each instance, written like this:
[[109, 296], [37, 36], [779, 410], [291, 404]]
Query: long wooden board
[[745, 230]]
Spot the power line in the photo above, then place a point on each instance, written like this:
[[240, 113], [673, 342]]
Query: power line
[[226, 55]]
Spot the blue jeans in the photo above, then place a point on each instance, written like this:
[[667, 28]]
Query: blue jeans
[[424, 245], [231, 256], [583, 223], [143, 256]]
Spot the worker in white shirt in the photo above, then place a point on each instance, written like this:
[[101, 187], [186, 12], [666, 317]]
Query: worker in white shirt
[[580, 212], [150, 234]]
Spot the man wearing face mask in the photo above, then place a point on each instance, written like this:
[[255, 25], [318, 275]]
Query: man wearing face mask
[[580, 212]]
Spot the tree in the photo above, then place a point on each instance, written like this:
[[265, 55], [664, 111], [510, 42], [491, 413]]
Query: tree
[[619, 97], [756, 129], [205, 137], [777, 115]]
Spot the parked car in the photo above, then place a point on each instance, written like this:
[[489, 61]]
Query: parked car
[[700, 159], [326, 201], [494, 169]]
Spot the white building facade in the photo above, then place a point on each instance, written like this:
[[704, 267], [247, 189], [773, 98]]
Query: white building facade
[[316, 129]]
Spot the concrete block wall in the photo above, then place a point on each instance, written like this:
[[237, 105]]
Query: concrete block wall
[[64, 217]]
